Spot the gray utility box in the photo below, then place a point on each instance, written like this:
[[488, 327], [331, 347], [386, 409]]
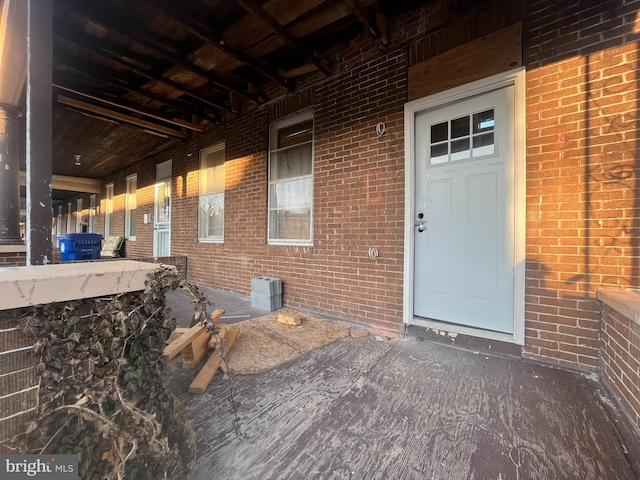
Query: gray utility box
[[266, 293]]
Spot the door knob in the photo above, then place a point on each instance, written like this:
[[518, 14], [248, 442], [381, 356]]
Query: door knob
[[420, 223]]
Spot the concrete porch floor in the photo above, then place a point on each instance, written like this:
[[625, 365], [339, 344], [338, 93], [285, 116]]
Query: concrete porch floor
[[373, 408]]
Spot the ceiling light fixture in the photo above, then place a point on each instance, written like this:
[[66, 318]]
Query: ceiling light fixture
[[77, 162]]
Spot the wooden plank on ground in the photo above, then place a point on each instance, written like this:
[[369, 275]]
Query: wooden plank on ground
[[290, 317], [179, 344], [222, 328], [176, 334], [195, 351], [204, 377], [216, 315]]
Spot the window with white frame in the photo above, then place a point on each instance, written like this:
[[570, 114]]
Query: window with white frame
[[108, 209], [131, 205], [211, 194], [79, 215], [291, 180]]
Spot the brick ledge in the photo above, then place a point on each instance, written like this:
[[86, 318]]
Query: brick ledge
[[625, 302]]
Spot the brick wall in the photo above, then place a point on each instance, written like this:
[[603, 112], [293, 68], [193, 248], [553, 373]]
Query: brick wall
[[12, 259], [358, 199], [583, 211], [582, 170], [621, 359]]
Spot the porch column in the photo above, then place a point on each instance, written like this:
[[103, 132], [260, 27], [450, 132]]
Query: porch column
[[39, 131], [9, 181]]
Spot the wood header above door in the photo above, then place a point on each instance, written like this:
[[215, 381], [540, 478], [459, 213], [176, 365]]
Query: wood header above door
[[494, 53]]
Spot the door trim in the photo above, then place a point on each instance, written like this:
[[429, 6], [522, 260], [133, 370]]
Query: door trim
[[515, 78], [163, 176]]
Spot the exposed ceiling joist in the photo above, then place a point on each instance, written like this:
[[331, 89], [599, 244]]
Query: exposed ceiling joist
[[255, 9], [373, 27], [107, 79], [91, 46], [296, 72], [168, 7], [131, 107], [105, 112], [175, 69], [157, 46]]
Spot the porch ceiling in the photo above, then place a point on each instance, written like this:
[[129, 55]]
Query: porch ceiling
[[132, 77]]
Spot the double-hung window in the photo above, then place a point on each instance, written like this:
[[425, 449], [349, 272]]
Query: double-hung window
[[211, 194], [291, 180], [131, 205]]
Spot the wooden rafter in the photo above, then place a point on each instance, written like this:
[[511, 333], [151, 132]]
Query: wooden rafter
[[168, 7], [111, 114], [89, 45], [130, 107], [252, 7], [158, 47], [174, 105], [371, 26]]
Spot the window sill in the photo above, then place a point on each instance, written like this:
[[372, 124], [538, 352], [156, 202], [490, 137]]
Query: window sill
[[289, 244]]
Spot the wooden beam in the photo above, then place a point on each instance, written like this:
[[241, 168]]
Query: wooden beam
[[106, 78], [200, 30], [195, 351], [204, 377], [87, 44], [71, 184], [363, 17], [494, 53], [296, 72], [125, 29], [252, 7], [175, 347], [89, 107], [383, 25], [131, 107]]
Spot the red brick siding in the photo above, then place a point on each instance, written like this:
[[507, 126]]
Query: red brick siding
[[621, 359], [582, 200], [582, 212], [358, 202], [13, 259]]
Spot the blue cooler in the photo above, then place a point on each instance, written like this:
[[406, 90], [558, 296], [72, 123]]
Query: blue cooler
[[79, 246]]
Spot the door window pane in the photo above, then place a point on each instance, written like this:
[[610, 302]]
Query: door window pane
[[460, 127], [440, 132], [463, 138]]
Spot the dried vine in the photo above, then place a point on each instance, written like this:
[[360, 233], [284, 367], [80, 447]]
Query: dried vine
[[101, 392]]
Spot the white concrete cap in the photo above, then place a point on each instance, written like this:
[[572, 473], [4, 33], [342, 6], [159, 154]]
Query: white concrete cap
[[35, 285]]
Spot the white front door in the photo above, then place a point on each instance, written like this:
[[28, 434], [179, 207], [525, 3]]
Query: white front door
[[162, 211], [464, 212]]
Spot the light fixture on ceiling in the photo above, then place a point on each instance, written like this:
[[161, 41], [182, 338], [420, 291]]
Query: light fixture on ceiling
[[77, 162]]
